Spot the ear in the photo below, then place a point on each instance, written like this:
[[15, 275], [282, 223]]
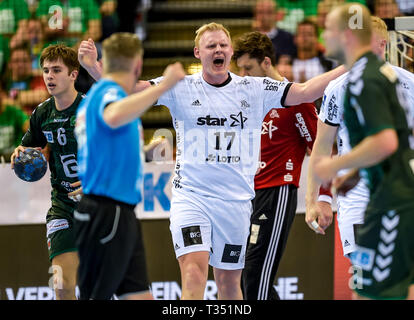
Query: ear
[[266, 63], [74, 74], [196, 53], [383, 44]]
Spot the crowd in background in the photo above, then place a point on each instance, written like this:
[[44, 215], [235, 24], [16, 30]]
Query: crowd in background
[[28, 26], [295, 28]]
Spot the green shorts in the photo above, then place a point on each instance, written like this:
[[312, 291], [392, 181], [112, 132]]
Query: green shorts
[[59, 228], [384, 259]]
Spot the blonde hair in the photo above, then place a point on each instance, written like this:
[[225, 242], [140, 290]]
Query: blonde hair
[[119, 50], [210, 27], [345, 17], [380, 27]]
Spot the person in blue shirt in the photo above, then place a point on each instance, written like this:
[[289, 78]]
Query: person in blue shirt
[[108, 235]]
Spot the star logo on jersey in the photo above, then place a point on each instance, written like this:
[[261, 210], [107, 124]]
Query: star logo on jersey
[[238, 120], [268, 128]]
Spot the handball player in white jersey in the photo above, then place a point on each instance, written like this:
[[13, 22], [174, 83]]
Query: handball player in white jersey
[[218, 117], [351, 206]]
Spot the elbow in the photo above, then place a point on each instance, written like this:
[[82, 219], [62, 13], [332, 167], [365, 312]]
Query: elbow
[[392, 148], [390, 143], [112, 119]]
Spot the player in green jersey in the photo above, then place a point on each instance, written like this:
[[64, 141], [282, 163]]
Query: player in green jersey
[[375, 115], [51, 128]]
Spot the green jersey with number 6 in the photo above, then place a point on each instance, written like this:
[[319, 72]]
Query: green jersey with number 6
[[56, 128], [375, 101]]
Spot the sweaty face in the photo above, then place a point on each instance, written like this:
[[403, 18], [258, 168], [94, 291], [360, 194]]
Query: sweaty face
[[249, 67], [215, 52], [56, 77], [332, 37]]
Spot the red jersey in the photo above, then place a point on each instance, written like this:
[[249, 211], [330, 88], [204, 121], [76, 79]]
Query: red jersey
[[286, 134]]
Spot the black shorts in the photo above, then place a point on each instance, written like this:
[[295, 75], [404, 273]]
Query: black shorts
[[274, 210], [111, 251]]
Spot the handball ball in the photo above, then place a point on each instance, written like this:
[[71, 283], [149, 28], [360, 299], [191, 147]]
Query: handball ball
[[30, 165]]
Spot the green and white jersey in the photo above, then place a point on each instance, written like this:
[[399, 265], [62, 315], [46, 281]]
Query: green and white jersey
[[374, 101], [56, 128]]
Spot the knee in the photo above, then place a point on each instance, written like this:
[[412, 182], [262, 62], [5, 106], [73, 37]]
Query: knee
[[228, 283], [194, 275], [64, 288]]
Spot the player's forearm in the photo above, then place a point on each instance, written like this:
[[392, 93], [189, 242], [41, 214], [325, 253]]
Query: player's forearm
[[312, 89], [128, 109], [95, 71], [313, 184], [315, 87], [322, 147], [369, 151], [312, 187]]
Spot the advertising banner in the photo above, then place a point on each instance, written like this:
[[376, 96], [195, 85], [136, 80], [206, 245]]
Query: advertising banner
[[27, 202]]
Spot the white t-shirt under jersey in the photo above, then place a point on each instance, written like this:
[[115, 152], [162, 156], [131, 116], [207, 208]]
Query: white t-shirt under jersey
[[218, 132]]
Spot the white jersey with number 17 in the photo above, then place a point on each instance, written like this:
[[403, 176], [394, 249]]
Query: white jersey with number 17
[[218, 131]]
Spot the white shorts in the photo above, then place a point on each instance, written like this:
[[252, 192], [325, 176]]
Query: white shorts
[[350, 213], [200, 223]]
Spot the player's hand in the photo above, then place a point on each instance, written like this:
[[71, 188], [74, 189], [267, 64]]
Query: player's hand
[[141, 85], [324, 169], [312, 218], [172, 74], [325, 214], [87, 54], [77, 194], [341, 185], [16, 153]]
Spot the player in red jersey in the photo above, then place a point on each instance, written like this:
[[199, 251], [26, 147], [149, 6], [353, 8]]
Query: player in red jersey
[[286, 136]]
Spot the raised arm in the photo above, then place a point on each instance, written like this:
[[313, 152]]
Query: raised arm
[[121, 112], [88, 58], [312, 89]]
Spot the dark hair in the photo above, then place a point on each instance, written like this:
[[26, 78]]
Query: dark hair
[[24, 46], [59, 51], [310, 23], [256, 44]]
